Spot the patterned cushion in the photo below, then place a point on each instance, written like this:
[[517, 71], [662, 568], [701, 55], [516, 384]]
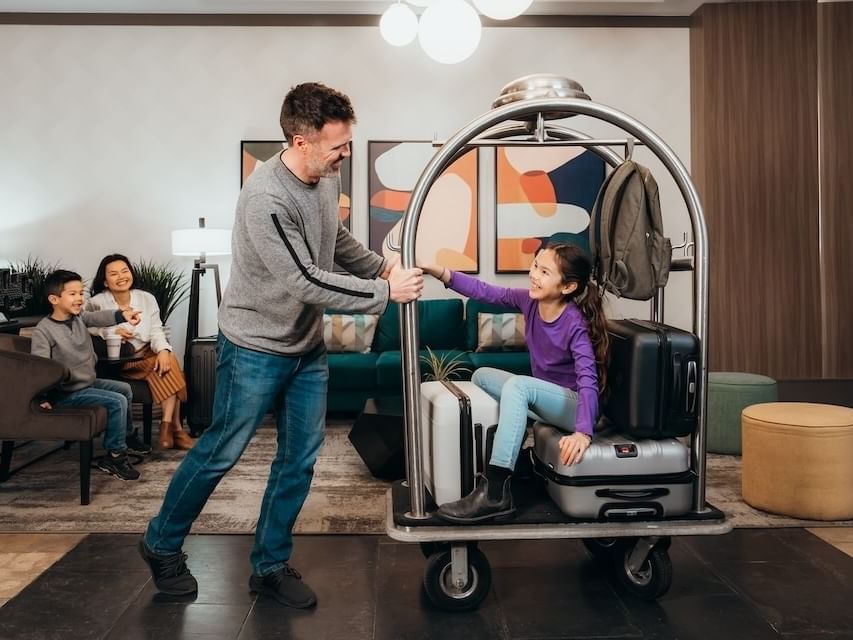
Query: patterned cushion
[[343, 332], [500, 332]]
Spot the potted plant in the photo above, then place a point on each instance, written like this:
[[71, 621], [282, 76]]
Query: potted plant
[[446, 367], [35, 270], [165, 282]]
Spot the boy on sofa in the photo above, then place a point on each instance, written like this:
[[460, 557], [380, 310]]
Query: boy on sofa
[[63, 336]]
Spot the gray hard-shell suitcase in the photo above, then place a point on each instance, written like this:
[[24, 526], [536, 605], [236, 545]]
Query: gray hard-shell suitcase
[[619, 477]]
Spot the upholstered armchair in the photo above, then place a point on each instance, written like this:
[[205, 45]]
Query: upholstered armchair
[[22, 378]]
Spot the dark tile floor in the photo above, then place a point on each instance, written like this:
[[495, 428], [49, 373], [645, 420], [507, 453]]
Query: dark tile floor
[[750, 584]]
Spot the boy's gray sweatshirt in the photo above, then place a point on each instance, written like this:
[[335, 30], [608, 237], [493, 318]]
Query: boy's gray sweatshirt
[[287, 236], [70, 344]]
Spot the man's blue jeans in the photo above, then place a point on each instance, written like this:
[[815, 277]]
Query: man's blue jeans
[[520, 397], [248, 384], [115, 396]]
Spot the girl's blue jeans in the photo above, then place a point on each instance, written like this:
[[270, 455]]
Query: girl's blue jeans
[[520, 397], [248, 384]]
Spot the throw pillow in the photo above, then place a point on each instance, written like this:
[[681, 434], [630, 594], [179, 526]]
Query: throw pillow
[[354, 333], [500, 332]]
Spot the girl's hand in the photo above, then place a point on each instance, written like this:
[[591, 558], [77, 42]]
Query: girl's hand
[[164, 363], [126, 334], [390, 262], [436, 271], [572, 447], [133, 316]]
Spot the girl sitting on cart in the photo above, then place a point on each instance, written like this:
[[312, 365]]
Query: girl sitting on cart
[[566, 335]]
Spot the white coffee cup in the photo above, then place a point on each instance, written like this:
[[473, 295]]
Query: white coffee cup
[[113, 346]]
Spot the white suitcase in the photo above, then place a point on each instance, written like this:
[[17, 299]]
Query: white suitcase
[[458, 423]]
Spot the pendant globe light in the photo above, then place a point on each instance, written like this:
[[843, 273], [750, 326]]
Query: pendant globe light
[[502, 9], [399, 24], [449, 31]]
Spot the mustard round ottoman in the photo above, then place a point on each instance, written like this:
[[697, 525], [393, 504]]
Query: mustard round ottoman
[[798, 459], [729, 392]]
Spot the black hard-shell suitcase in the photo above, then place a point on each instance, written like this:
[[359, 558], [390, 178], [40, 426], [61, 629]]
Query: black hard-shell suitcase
[[201, 383], [652, 379]]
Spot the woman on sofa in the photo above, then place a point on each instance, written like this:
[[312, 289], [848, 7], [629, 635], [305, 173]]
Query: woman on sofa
[[566, 335], [112, 288]]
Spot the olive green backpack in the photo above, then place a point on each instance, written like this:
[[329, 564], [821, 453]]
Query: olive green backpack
[[631, 256]]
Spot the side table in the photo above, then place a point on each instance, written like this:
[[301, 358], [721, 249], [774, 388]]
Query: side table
[[378, 436]]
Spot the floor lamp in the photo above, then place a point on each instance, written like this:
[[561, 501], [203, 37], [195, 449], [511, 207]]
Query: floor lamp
[[201, 243]]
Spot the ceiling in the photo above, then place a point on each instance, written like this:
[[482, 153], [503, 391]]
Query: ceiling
[[375, 7]]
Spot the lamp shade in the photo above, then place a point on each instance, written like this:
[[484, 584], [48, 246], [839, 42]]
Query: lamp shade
[[194, 242]]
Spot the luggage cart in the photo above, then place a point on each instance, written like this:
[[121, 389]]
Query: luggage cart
[[457, 575]]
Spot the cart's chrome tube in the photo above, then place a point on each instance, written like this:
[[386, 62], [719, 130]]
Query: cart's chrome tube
[[409, 311]]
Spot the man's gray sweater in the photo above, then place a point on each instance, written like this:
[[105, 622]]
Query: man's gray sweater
[[69, 343], [286, 239]]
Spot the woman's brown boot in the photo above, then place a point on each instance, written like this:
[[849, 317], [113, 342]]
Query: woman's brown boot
[[166, 440], [181, 438]]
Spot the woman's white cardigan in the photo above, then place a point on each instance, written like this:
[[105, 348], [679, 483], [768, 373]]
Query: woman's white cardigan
[[148, 331]]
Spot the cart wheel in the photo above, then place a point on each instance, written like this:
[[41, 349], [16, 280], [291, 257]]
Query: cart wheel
[[429, 548], [601, 548], [652, 580], [444, 594]]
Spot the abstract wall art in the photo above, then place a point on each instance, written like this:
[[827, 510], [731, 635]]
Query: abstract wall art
[[254, 153], [448, 228], [542, 194]]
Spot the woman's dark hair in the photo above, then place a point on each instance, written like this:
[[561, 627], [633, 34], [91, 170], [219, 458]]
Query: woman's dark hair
[[99, 283], [308, 107], [576, 266]]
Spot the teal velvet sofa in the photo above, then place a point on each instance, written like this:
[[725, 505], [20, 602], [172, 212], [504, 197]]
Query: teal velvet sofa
[[448, 327]]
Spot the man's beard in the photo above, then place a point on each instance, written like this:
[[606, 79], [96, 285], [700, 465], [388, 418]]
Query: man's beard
[[327, 170]]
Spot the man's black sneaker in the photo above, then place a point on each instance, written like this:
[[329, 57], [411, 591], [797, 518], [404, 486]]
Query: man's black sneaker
[[286, 586], [170, 572], [115, 463], [135, 445]]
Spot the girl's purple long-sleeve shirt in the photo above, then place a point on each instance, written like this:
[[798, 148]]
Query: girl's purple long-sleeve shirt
[[561, 351]]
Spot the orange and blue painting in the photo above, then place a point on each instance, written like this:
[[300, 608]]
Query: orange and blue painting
[[254, 153], [543, 194], [448, 227]]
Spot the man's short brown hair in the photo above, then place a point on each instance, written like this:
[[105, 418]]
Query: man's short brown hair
[[309, 106]]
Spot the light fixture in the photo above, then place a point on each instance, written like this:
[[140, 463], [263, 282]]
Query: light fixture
[[399, 24], [200, 242], [502, 9], [449, 31]]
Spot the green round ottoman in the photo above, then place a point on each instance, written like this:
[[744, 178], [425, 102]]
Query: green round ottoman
[[729, 393]]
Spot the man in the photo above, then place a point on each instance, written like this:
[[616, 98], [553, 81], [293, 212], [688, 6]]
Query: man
[[286, 238]]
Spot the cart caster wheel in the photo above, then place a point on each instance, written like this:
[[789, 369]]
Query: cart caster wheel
[[430, 548], [652, 580], [439, 586], [601, 548]]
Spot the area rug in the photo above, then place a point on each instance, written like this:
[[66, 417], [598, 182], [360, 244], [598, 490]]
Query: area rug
[[344, 497]]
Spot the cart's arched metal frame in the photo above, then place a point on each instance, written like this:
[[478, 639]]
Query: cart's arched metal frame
[[529, 122]]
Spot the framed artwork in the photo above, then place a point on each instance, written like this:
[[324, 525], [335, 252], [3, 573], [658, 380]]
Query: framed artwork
[[542, 194], [448, 228], [253, 153]]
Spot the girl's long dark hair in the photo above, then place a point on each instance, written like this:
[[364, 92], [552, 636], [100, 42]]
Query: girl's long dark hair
[[575, 266], [99, 283]]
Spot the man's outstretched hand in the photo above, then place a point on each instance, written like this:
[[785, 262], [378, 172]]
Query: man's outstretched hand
[[406, 284]]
